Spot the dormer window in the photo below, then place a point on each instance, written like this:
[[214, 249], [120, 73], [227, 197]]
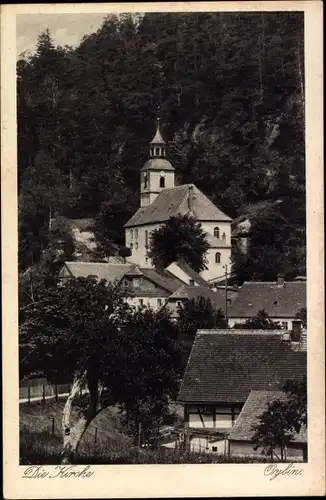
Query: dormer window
[[192, 282]]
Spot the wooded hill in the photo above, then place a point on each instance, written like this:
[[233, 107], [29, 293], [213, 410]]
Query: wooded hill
[[229, 89]]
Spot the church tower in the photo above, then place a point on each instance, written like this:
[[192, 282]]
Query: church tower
[[157, 173]]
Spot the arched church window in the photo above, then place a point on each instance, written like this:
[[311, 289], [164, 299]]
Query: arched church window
[[145, 180], [152, 151], [136, 233], [131, 246], [157, 151], [218, 258], [216, 232], [136, 245], [162, 181], [146, 238], [131, 234]]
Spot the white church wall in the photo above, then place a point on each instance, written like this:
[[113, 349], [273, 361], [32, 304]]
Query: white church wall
[[224, 227], [137, 238], [216, 270]]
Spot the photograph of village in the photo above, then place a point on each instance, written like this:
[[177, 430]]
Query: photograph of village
[[162, 238]]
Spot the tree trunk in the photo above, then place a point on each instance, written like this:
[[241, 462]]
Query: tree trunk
[[72, 435]]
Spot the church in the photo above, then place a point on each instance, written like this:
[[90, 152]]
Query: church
[[160, 199]]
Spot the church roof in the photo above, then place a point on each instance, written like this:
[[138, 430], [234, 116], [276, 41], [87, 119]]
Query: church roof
[[157, 164], [158, 139], [178, 200]]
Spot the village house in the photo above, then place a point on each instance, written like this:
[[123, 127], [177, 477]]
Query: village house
[[281, 300], [143, 286], [224, 366], [241, 436], [160, 199]]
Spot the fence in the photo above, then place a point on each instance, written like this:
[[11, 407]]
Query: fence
[[39, 389]]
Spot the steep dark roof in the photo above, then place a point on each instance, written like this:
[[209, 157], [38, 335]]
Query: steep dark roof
[[279, 301], [254, 406], [164, 280], [191, 273], [174, 201], [193, 292], [109, 272], [224, 365]]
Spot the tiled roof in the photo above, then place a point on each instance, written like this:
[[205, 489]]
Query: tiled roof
[[254, 406], [224, 365], [109, 272], [174, 201], [216, 242], [194, 292], [164, 280], [191, 273], [279, 301]]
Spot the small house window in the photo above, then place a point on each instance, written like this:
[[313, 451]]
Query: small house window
[[191, 282], [136, 245], [162, 181], [214, 448], [141, 302], [136, 283], [178, 303], [157, 151], [217, 258], [159, 302], [284, 325], [131, 234], [125, 283], [216, 232]]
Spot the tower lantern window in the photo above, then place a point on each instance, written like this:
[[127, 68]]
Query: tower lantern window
[[157, 151]]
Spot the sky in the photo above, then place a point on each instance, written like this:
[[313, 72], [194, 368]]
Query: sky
[[66, 29]]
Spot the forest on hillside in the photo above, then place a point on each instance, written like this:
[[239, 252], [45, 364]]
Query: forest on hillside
[[229, 90]]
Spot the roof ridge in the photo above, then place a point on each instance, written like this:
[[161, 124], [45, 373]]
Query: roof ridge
[[239, 331]]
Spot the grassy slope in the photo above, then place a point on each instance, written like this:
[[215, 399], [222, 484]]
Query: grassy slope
[[36, 417]]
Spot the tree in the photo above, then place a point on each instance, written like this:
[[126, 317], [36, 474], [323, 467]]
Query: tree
[[181, 237], [302, 314], [149, 371], [259, 322], [85, 332], [194, 314], [282, 419]]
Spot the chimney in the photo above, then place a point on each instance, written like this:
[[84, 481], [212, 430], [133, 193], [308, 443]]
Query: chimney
[[296, 330], [280, 280], [190, 198]]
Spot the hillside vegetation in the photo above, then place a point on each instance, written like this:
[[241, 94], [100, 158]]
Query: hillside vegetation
[[229, 89]]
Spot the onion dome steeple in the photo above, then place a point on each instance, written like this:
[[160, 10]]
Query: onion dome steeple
[[157, 144]]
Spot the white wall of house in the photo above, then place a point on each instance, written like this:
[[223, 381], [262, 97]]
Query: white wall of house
[[285, 322], [200, 418], [154, 303], [179, 273], [201, 444]]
